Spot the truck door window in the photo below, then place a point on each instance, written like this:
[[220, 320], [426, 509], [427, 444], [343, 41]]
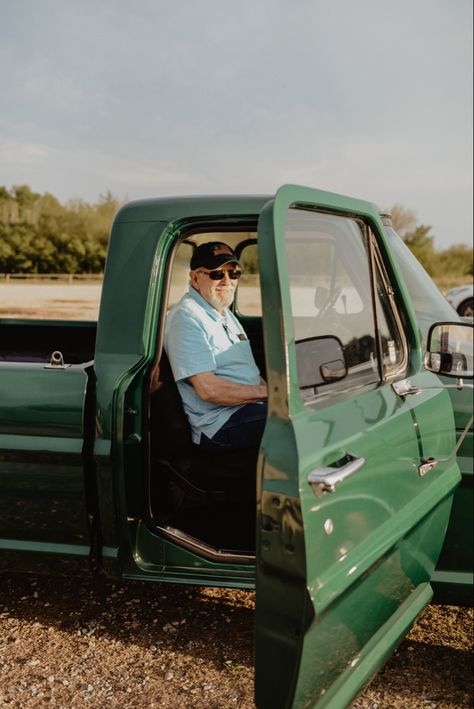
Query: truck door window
[[428, 302], [329, 276]]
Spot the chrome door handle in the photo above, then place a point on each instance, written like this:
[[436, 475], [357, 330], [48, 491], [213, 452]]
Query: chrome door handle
[[326, 478]]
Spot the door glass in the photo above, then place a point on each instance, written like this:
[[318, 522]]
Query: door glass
[[429, 304], [330, 289]]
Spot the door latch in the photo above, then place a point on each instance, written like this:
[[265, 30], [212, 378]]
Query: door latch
[[426, 466], [57, 361]]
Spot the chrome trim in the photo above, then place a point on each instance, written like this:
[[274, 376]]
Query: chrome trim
[[325, 478], [221, 556], [404, 387], [426, 466]]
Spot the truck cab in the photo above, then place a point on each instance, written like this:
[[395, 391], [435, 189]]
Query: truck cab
[[337, 520]]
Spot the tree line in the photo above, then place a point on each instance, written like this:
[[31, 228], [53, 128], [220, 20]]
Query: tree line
[[38, 234], [457, 260]]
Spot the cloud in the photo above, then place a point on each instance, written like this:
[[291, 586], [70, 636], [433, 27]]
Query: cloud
[[13, 153], [371, 98]]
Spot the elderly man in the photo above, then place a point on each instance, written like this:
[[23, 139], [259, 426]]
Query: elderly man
[[220, 385]]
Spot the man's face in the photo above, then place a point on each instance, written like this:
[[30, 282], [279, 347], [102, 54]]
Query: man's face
[[218, 293]]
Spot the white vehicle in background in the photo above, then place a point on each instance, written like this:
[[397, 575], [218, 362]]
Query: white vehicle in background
[[461, 298]]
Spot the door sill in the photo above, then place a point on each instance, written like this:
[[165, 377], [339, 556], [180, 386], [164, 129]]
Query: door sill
[[220, 556]]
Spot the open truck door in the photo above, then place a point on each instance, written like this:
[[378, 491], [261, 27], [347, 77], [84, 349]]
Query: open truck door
[[350, 518]]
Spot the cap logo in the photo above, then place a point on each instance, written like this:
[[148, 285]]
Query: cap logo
[[221, 249]]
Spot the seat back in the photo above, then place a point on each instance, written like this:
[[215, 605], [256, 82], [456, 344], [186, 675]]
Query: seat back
[[171, 433], [178, 458]]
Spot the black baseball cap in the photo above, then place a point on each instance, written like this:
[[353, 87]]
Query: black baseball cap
[[212, 255]]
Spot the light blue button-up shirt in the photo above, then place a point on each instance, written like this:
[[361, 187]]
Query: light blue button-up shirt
[[199, 339]]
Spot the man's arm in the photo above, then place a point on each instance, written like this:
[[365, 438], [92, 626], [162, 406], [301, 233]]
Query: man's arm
[[218, 390]]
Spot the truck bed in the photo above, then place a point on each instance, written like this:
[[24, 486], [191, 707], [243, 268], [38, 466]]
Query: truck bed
[[36, 340]]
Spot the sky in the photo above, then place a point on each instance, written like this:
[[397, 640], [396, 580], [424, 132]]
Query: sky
[[369, 98]]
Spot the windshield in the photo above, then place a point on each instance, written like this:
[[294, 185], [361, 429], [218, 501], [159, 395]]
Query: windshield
[[428, 302]]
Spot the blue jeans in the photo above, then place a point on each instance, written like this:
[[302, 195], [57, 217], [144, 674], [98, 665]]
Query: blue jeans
[[244, 429]]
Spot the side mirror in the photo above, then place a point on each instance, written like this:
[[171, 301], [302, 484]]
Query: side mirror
[[450, 349], [320, 360]]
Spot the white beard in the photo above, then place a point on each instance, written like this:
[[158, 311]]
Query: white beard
[[223, 300]]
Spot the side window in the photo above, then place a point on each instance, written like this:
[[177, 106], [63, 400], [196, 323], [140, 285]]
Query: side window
[[180, 273], [329, 275], [247, 299], [427, 301]]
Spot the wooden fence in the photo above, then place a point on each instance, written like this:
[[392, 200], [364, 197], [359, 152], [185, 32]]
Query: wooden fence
[[62, 277]]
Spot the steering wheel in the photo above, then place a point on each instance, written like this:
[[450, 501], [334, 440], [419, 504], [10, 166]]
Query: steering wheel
[[330, 301]]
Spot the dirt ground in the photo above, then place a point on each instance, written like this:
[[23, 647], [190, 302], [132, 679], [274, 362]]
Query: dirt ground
[[80, 301], [75, 301], [98, 644], [91, 643]]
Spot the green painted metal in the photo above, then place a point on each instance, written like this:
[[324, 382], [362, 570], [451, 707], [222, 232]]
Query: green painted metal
[[37, 401], [161, 560], [378, 649], [321, 597], [171, 210], [453, 577], [42, 482]]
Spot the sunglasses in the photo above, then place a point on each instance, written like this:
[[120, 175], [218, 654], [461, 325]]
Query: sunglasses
[[219, 273]]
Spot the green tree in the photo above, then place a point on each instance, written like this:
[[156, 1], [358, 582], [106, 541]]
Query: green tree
[[403, 219], [457, 259], [38, 234], [421, 244], [416, 236], [27, 202]]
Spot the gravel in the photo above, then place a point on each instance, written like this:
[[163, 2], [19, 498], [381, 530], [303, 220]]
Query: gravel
[[91, 643]]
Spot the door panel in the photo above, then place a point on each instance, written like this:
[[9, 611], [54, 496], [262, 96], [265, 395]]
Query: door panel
[[341, 574]]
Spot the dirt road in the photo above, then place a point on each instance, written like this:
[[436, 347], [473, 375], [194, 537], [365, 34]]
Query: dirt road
[[75, 301]]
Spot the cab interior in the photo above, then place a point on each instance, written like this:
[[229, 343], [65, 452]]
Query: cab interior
[[204, 501], [209, 501]]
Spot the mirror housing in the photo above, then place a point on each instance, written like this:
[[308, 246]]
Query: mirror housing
[[449, 349], [320, 360]]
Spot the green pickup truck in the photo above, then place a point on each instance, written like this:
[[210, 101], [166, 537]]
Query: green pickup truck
[[358, 503]]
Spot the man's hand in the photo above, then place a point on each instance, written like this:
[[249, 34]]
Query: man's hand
[[218, 390]]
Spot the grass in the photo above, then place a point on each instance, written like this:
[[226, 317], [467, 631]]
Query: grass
[[447, 282]]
